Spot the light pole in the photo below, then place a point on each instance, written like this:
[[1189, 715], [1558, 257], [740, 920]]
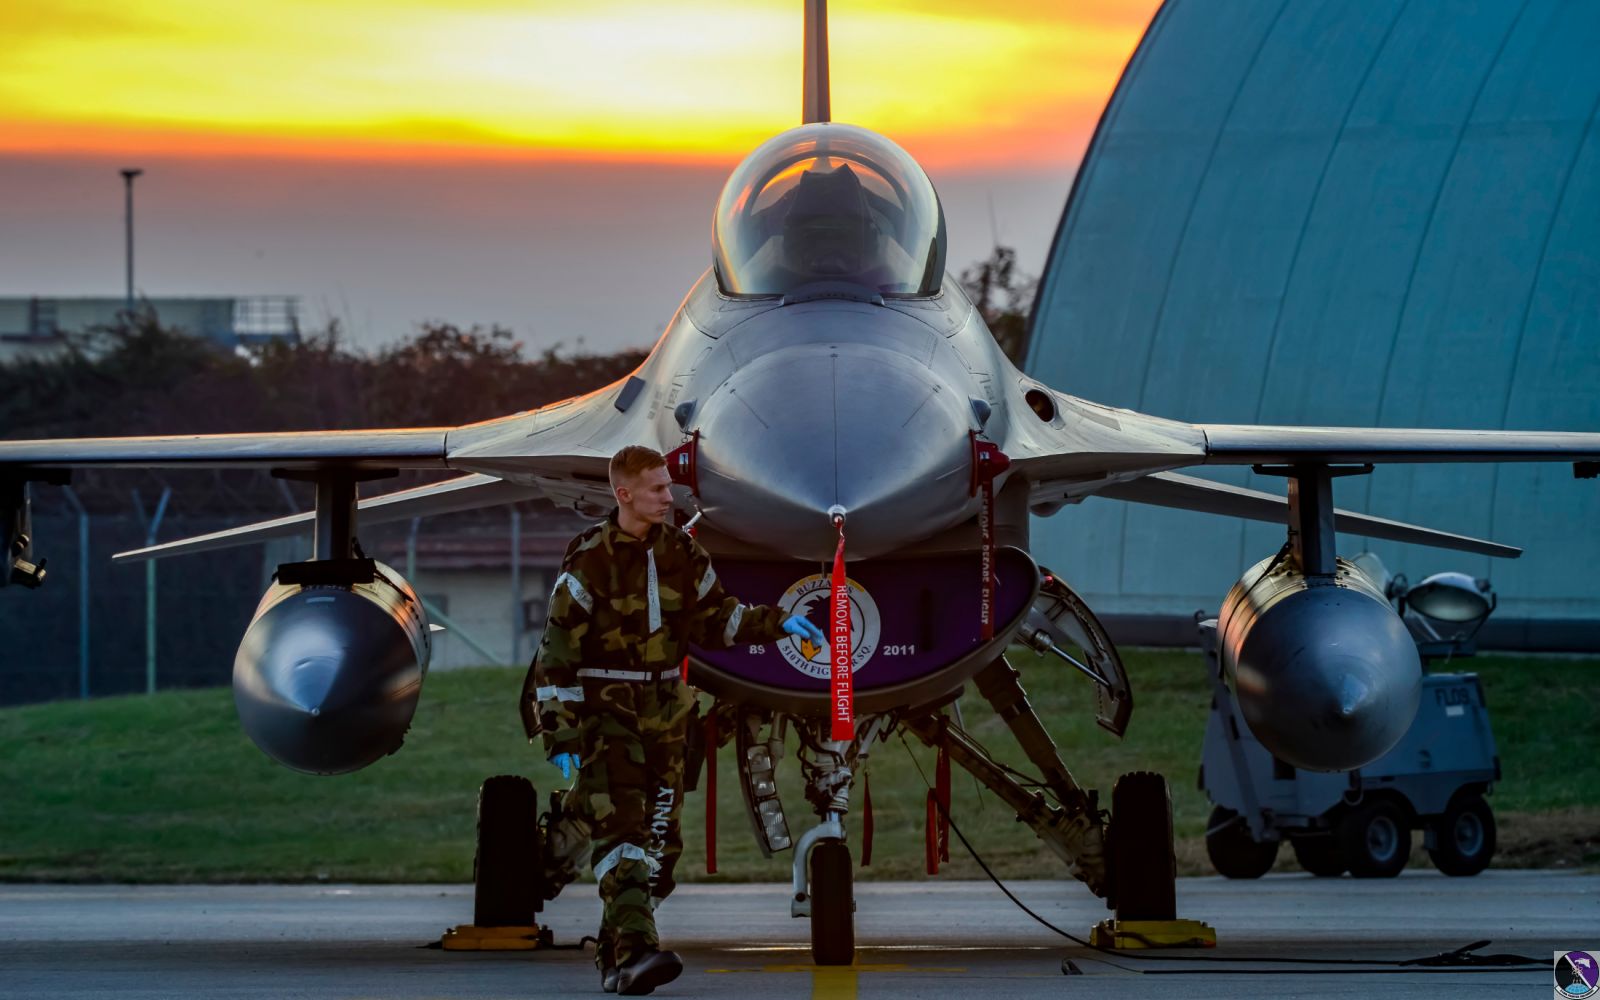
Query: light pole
[[128, 174]]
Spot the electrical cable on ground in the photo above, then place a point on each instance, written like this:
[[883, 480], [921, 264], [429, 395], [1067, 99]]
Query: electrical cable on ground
[[1460, 960]]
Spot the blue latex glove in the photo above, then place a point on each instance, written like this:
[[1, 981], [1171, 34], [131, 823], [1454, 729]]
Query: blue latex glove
[[799, 625], [568, 762]]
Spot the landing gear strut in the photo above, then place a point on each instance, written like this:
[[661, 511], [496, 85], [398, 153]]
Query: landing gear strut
[[824, 888], [1072, 825], [1130, 863]]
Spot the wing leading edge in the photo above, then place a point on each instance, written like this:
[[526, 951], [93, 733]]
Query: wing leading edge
[[412, 448], [559, 451], [1166, 489], [1243, 444]]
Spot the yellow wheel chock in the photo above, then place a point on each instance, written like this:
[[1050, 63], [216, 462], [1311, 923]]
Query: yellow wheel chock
[[468, 937], [1112, 933]]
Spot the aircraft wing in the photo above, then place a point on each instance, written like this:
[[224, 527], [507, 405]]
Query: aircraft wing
[[559, 451], [418, 448], [1243, 444], [1090, 449], [1086, 446], [448, 497], [567, 441], [1167, 489]]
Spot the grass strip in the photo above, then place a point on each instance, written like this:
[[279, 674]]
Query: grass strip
[[167, 788]]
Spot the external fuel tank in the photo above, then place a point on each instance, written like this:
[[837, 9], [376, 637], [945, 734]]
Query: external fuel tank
[[327, 677], [1325, 673]]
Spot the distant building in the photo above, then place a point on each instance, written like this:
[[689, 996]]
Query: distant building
[[461, 568], [36, 326]]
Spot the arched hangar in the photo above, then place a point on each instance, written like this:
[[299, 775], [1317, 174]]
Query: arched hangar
[[1365, 214]]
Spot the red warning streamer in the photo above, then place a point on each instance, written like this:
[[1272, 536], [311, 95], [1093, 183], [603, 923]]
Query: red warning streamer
[[986, 558], [988, 462], [840, 684]]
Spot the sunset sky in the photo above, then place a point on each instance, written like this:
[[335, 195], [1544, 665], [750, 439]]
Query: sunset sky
[[496, 161]]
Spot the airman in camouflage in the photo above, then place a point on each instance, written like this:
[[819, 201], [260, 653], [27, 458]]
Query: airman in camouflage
[[633, 593]]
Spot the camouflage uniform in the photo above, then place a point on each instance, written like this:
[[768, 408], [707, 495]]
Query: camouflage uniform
[[622, 615]]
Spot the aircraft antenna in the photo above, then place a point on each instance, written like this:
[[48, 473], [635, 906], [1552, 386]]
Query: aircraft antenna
[[814, 99]]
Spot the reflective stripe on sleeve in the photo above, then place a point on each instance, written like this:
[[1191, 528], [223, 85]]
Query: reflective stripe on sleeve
[[576, 589], [620, 852], [707, 578], [559, 693], [733, 625], [605, 674], [652, 594]]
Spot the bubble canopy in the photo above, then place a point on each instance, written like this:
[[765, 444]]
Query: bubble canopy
[[829, 203]]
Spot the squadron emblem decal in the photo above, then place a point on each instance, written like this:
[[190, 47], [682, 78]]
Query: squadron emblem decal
[[811, 593], [1577, 975]]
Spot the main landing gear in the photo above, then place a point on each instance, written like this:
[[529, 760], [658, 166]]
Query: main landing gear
[[1128, 861], [507, 872]]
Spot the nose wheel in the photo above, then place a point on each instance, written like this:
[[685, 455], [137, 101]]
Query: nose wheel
[[833, 905]]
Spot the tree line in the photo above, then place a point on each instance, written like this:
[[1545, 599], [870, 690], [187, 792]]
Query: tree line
[[141, 377]]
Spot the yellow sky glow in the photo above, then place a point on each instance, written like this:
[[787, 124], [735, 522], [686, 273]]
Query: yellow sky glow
[[1010, 81]]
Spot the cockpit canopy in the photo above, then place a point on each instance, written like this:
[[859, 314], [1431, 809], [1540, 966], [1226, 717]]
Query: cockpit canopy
[[829, 203]]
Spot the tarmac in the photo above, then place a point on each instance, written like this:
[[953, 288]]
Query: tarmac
[[929, 938]]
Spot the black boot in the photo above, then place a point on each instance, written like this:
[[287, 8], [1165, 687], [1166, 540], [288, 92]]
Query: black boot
[[645, 973], [608, 979]]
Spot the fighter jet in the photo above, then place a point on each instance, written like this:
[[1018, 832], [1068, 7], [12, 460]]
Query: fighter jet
[[826, 392]]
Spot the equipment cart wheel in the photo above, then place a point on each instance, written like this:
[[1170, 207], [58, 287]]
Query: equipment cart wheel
[[833, 905], [1144, 870], [1233, 852], [1319, 854], [505, 871], [1463, 837], [1376, 839]]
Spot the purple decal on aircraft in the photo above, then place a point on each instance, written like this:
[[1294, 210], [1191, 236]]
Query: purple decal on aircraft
[[908, 617]]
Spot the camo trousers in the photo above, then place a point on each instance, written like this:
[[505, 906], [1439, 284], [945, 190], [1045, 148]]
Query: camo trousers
[[630, 793]]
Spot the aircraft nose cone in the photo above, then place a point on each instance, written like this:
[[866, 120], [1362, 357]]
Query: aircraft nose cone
[[797, 432]]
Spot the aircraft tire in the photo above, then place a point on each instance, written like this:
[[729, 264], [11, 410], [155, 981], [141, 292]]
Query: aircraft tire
[[1320, 855], [833, 919], [1233, 852], [1376, 838], [505, 870], [1464, 836], [1144, 869]]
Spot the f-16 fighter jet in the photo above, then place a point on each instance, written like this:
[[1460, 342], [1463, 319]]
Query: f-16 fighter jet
[[856, 447]]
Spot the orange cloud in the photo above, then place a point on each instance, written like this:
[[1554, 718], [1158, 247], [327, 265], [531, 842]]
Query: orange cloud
[[961, 83]]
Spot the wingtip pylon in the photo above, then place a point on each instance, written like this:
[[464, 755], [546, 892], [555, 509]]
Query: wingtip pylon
[[815, 100]]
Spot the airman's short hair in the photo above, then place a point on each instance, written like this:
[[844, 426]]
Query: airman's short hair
[[631, 461]]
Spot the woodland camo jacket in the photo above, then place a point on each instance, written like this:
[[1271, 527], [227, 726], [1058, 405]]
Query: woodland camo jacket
[[626, 608]]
